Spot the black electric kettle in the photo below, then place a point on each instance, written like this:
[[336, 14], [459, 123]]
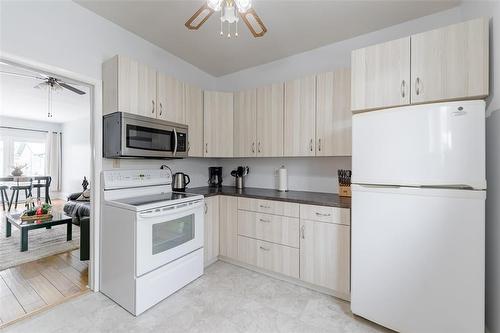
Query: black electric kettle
[[180, 181]]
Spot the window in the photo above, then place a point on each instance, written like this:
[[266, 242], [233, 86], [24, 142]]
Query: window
[[21, 147], [31, 154]]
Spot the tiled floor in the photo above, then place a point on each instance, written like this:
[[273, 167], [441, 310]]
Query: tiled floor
[[226, 299]]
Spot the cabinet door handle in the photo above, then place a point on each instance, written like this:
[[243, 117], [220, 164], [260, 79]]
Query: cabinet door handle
[[264, 206], [325, 215], [189, 145], [302, 231], [253, 147], [206, 208], [417, 86], [161, 108], [258, 147], [153, 108], [311, 145], [403, 88], [265, 221], [319, 144], [264, 248], [206, 148]]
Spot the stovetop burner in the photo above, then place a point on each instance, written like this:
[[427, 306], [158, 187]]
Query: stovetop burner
[[154, 198]]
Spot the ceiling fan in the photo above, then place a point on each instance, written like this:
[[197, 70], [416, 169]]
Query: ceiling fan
[[49, 83], [230, 10]]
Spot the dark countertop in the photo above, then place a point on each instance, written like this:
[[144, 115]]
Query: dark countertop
[[301, 197]]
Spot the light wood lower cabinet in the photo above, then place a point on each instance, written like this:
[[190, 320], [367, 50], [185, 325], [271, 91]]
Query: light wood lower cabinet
[[325, 214], [325, 255], [211, 230], [273, 257], [269, 207], [228, 223], [267, 227]]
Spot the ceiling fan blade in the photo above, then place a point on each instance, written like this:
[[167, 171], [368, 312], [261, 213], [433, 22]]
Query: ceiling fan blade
[[22, 75], [200, 17], [251, 18], [73, 89]]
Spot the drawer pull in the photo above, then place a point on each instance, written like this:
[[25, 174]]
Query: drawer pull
[[302, 232], [326, 215], [264, 206], [265, 221], [264, 248]]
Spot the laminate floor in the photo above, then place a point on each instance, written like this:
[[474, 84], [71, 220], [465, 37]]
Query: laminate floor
[[226, 298], [28, 288]]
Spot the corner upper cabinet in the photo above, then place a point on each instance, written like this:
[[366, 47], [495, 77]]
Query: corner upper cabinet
[[245, 113], [270, 112], [170, 101], [450, 63], [380, 75], [120, 76], [300, 117], [193, 102], [333, 113], [218, 124]]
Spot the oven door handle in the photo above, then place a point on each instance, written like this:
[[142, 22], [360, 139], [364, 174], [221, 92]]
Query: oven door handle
[[175, 140]]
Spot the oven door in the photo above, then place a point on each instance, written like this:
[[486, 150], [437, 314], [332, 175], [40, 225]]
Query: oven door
[[168, 233], [144, 138]]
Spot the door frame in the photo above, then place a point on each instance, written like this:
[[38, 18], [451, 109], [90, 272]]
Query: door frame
[[95, 94]]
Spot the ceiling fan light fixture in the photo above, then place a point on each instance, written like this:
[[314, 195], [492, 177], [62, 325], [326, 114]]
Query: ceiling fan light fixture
[[243, 5], [215, 5]]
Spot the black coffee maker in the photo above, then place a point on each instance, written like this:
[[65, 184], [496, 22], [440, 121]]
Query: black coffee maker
[[215, 176]]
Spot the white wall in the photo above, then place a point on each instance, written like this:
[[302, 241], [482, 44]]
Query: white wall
[[64, 34], [30, 124], [304, 174], [76, 155]]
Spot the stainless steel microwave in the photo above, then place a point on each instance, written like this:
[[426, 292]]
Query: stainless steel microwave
[[129, 135]]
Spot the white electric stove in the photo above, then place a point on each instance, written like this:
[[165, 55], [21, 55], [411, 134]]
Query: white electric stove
[[151, 238]]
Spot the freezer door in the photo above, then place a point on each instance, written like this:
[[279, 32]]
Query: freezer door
[[436, 144], [418, 258]]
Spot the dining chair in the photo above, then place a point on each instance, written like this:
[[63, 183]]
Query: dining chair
[[22, 184], [4, 195], [43, 182]]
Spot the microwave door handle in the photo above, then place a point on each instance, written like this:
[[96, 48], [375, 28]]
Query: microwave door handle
[[175, 140]]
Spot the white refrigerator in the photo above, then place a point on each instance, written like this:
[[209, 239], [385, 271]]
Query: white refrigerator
[[418, 217]]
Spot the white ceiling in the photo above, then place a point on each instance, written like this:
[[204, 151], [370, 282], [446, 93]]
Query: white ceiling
[[293, 27], [19, 99]]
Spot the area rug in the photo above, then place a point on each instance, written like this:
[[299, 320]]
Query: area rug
[[41, 243]]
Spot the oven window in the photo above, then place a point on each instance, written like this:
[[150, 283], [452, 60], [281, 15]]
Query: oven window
[[140, 137], [170, 234]]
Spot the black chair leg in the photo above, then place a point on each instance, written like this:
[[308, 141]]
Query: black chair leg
[[17, 197], [3, 201], [11, 199]]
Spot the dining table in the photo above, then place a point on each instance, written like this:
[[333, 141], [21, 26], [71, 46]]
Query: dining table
[[27, 179]]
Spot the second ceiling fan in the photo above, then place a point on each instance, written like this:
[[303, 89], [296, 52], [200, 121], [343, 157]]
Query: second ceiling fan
[[231, 12]]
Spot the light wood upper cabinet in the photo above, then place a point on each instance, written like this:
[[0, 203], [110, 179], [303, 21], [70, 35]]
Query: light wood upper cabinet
[[193, 97], [333, 113], [147, 91], [170, 99], [450, 63], [218, 124], [211, 230], [228, 224], [270, 111], [380, 76], [325, 255], [245, 114], [300, 111], [125, 84]]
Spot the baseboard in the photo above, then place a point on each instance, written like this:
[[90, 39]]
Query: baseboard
[[340, 296]]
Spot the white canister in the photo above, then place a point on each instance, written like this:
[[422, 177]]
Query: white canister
[[282, 179]]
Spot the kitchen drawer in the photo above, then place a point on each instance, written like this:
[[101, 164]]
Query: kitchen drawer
[[273, 257], [269, 207], [325, 214], [272, 228]]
